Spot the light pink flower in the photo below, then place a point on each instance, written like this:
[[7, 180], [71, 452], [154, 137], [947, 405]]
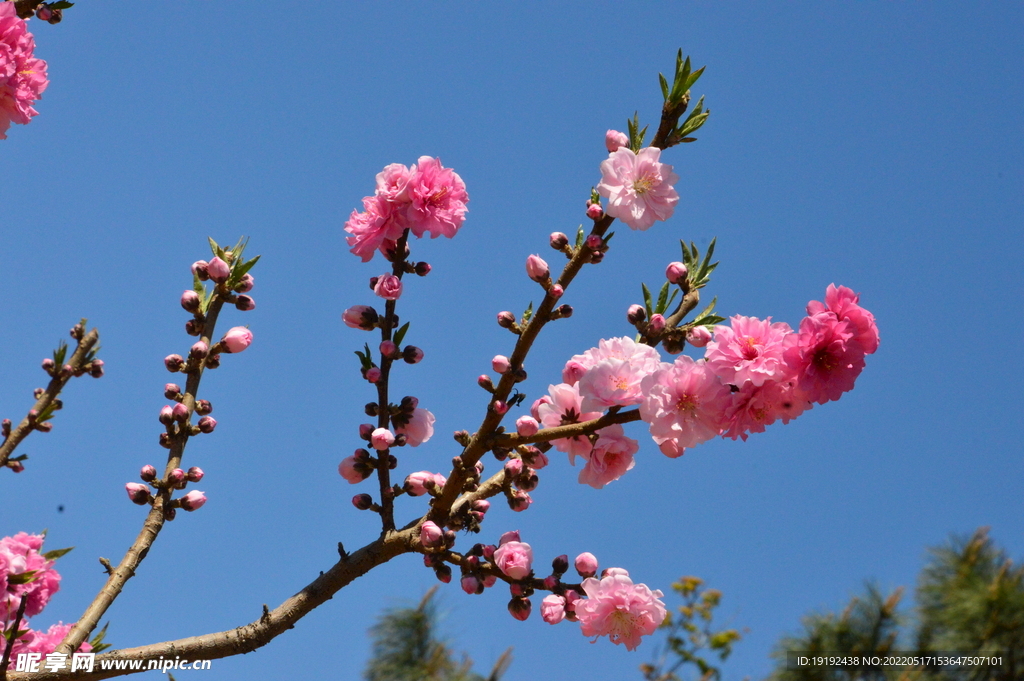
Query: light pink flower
[[536, 268], [619, 609], [843, 303], [419, 429], [642, 358], [685, 403], [564, 408], [20, 554], [237, 339], [377, 224], [552, 609], [514, 558], [352, 472], [614, 140], [420, 483], [698, 336], [611, 457], [612, 382], [527, 426], [22, 76], [638, 187], [750, 351], [431, 534], [44, 643], [826, 358], [586, 564], [437, 198], [388, 287], [755, 407]]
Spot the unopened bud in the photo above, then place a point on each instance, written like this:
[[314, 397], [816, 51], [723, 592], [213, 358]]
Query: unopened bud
[[148, 473], [137, 492], [594, 242], [373, 374], [586, 564], [207, 424], [245, 303], [520, 501], [656, 325], [499, 406], [615, 140], [203, 407], [166, 415], [594, 211], [519, 608], [213, 361], [200, 269], [96, 368], [471, 584], [176, 477], [199, 350], [190, 301], [558, 240], [506, 319], [422, 268], [484, 381], [165, 440], [537, 269], [48, 365], [77, 331], [174, 362], [360, 317], [431, 536], [563, 311], [193, 501], [675, 273], [527, 426], [560, 565], [218, 270], [412, 354], [179, 412], [194, 474], [362, 501], [43, 12], [556, 291], [636, 314], [443, 573], [500, 364], [194, 328], [245, 284], [698, 336], [389, 349]]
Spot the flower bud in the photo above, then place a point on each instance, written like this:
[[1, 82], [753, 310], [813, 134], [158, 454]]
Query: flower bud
[[527, 426], [174, 362], [412, 354], [422, 269], [586, 564], [190, 301], [675, 273], [552, 609], [506, 319], [513, 467], [511, 535], [443, 573], [48, 365], [362, 501], [431, 536], [180, 412], [373, 374], [213, 361], [556, 291], [500, 364], [519, 608], [528, 481], [656, 325], [560, 565], [594, 242], [195, 474], [218, 270], [562, 312], [594, 211], [166, 415], [698, 336], [558, 240], [200, 268], [193, 501], [194, 328], [366, 430], [389, 349], [388, 287], [199, 350], [5, 427], [471, 584], [550, 582], [96, 368], [176, 477], [207, 424], [499, 406], [148, 473], [237, 339], [409, 403], [382, 439], [78, 331], [636, 314], [537, 269], [481, 506], [615, 140], [354, 469], [360, 317], [245, 303], [44, 13], [165, 440], [245, 284], [484, 381], [203, 407], [137, 492], [533, 456]]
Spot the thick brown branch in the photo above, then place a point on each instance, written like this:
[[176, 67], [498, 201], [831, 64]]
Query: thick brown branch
[[56, 384]]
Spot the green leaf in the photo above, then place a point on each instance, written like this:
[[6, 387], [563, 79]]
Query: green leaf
[[694, 76], [57, 553], [579, 237], [608, 238], [22, 578], [59, 354], [671, 298], [710, 320], [215, 247], [45, 413], [242, 269], [664, 86], [528, 313], [707, 310], [647, 300], [20, 457], [400, 334], [197, 286], [662, 299], [97, 641], [61, 4]]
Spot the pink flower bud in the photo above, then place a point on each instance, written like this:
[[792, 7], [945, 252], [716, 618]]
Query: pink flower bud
[[573, 372], [516, 589], [519, 608], [165, 440], [48, 365], [422, 269], [536, 458], [636, 314], [174, 362], [388, 349], [190, 301], [176, 477], [195, 474], [586, 564], [481, 506], [520, 501], [365, 430], [500, 364], [550, 582], [506, 319], [207, 424], [490, 581], [166, 415], [500, 407], [560, 565], [194, 328], [172, 390], [179, 412], [528, 481], [527, 426], [245, 303], [96, 368], [594, 211], [443, 573], [388, 287], [137, 492], [558, 240], [193, 501], [556, 291], [552, 609], [218, 270], [148, 473], [382, 439], [594, 242], [615, 140], [422, 482], [471, 584], [656, 325], [362, 501], [373, 374], [513, 467], [360, 317], [431, 535], [245, 284], [44, 13], [698, 336], [200, 268], [237, 339], [353, 470], [511, 535], [675, 273], [536, 268], [199, 350], [412, 354], [203, 407]]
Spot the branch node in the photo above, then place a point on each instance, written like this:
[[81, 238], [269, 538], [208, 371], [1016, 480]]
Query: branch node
[[107, 567]]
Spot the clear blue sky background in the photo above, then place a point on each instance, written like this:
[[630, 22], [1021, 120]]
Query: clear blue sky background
[[876, 145]]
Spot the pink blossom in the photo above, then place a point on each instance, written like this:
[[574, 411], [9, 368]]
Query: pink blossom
[[393, 184], [511, 535], [377, 224], [675, 273], [193, 501], [843, 303], [552, 609], [44, 643], [431, 534], [22, 76], [419, 429], [698, 336], [826, 358], [685, 403], [352, 470], [20, 554], [536, 268], [750, 350], [388, 287], [642, 358], [610, 458], [527, 426], [638, 187], [500, 364], [755, 407], [437, 198], [612, 382], [237, 339], [619, 609], [381, 439], [218, 270], [615, 140], [564, 408], [360, 317], [514, 559]]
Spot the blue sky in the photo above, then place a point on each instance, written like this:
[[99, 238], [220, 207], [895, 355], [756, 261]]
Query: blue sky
[[875, 145]]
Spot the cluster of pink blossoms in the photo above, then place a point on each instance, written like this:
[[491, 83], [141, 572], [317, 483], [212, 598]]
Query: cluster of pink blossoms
[[638, 186], [26, 575], [424, 198], [22, 76]]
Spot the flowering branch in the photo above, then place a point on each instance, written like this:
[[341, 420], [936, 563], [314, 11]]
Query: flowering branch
[[568, 430], [13, 635], [82, 361]]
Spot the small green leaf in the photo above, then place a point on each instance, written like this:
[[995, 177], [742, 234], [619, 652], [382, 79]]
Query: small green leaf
[[242, 269], [647, 300], [57, 553], [197, 286], [671, 298], [61, 4], [400, 334], [59, 354], [579, 237], [664, 86], [215, 247], [662, 299], [528, 313], [22, 578], [45, 413], [20, 457], [693, 77], [97, 641]]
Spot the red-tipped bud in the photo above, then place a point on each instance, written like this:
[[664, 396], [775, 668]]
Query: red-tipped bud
[[48, 365], [207, 424], [218, 270], [194, 328], [675, 273], [594, 211], [556, 291], [389, 349], [537, 269], [636, 314], [499, 406], [560, 565], [44, 13], [520, 608], [166, 415], [471, 584], [594, 242], [656, 325], [203, 407], [200, 268], [174, 362], [520, 501], [484, 381], [96, 368], [190, 301], [423, 268], [558, 240], [362, 501], [360, 317], [193, 501], [500, 364], [137, 492], [443, 573], [245, 303], [366, 430], [148, 473], [373, 374], [550, 582], [412, 354], [513, 467], [176, 477], [431, 536], [199, 350], [562, 312], [165, 440], [195, 474]]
